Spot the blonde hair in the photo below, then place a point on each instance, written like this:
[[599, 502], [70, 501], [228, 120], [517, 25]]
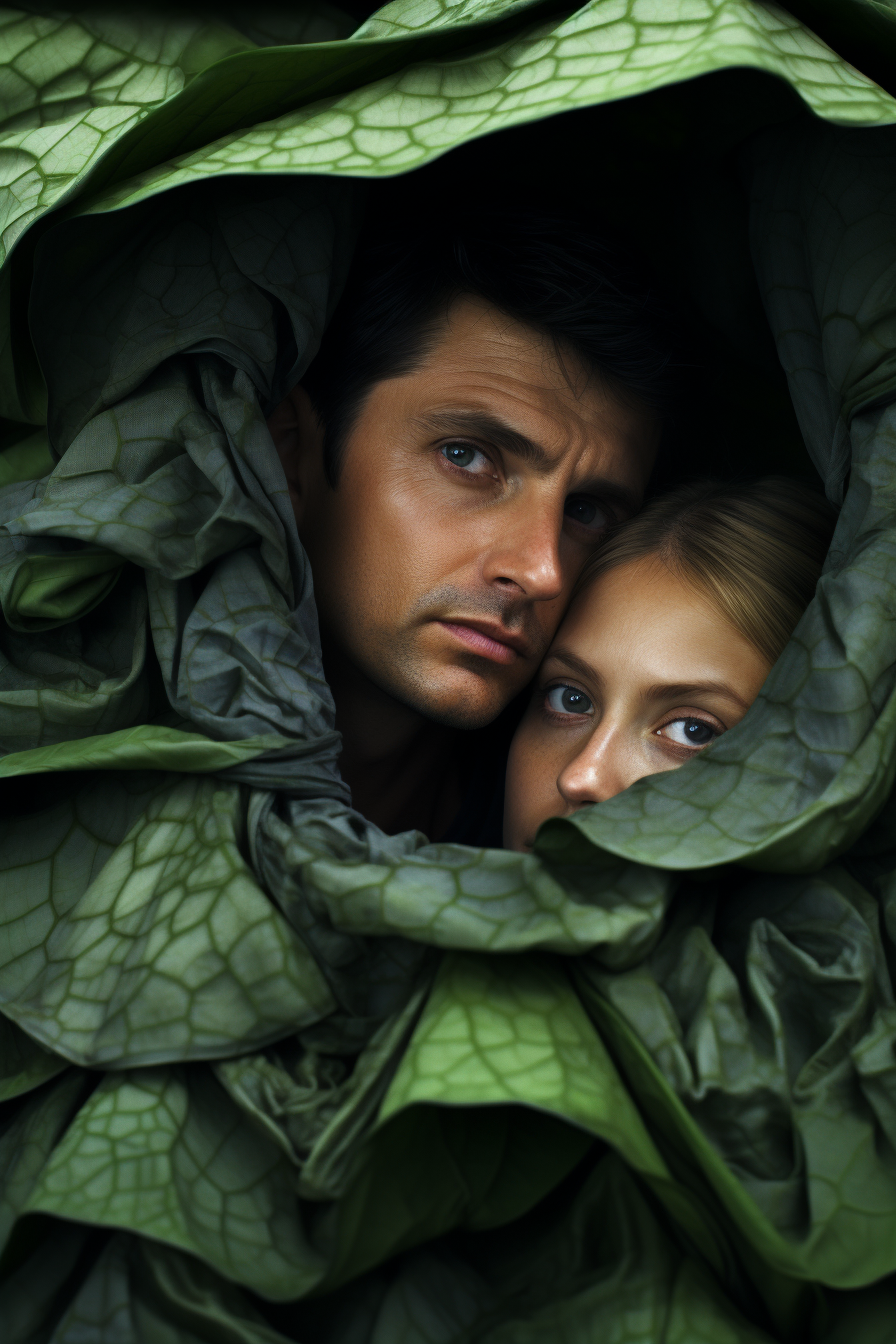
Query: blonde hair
[[754, 550]]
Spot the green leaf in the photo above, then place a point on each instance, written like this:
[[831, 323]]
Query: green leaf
[[323, 862], [167, 1152], [135, 933], [28, 1138], [70, 86], [600, 54], [862, 31], [44, 591], [25, 1065], [513, 1030], [146, 747], [789, 1124], [27, 460]]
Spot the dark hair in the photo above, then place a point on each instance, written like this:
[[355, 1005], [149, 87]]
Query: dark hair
[[550, 273], [754, 549]]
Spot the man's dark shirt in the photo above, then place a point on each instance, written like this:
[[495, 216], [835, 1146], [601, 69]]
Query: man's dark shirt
[[480, 819]]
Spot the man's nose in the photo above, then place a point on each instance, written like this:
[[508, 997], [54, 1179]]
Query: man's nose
[[526, 554], [602, 769]]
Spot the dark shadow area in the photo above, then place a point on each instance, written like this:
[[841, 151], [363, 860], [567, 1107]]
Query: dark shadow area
[[660, 177]]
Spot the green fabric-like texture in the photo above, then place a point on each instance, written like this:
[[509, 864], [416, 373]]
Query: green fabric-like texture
[[600, 53], [51, 590], [267, 1074], [148, 746]]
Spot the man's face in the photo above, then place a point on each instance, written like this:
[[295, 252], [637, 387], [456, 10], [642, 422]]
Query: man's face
[[470, 494]]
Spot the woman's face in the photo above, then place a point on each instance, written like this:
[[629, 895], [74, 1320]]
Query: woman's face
[[642, 675]]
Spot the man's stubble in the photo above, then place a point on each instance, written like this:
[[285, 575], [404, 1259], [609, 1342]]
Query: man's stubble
[[399, 665]]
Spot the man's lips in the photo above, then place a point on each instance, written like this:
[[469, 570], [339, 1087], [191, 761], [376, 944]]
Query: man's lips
[[489, 640]]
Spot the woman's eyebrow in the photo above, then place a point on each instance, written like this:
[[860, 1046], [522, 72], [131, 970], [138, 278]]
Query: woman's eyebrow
[[681, 689], [575, 664]]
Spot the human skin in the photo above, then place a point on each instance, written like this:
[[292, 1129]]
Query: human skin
[[470, 493], [643, 674]]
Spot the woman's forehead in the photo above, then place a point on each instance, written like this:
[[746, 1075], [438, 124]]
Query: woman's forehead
[[643, 619]]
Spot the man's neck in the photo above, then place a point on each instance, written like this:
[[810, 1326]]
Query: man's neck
[[404, 771]]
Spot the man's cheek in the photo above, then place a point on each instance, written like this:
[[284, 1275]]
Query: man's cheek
[[431, 514], [546, 618]]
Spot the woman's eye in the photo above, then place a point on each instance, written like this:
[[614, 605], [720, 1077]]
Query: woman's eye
[[568, 700], [689, 732], [465, 455], [587, 512]]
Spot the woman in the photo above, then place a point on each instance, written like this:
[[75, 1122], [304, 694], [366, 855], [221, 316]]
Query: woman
[[675, 625]]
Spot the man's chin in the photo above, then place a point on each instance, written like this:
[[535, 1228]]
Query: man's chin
[[454, 697], [458, 714]]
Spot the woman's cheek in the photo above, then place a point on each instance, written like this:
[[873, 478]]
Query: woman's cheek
[[531, 792]]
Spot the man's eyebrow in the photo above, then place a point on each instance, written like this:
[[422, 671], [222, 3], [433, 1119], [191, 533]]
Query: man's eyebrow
[[681, 690], [481, 425]]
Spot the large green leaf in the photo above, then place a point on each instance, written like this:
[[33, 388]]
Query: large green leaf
[[76, 88], [862, 31], [605, 51], [361, 110]]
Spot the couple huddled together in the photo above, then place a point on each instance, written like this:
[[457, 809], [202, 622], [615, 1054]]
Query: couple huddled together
[[467, 459]]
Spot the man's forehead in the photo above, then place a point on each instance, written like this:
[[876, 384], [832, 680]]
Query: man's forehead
[[521, 394], [475, 335], [483, 354]]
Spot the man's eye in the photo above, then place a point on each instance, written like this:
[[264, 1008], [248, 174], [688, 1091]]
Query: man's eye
[[586, 511], [689, 732], [464, 455], [568, 700]]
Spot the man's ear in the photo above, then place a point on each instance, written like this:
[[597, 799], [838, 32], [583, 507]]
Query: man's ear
[[299, 439]]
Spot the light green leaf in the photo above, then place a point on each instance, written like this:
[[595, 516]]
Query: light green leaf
[[605, 51]]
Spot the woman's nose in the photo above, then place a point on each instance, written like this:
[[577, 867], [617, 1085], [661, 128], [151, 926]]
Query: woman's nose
[[601, 770]]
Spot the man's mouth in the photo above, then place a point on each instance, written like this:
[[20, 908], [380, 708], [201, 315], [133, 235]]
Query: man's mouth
[[489, 640]]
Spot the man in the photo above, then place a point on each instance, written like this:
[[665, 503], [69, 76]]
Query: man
[[487, 401]]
